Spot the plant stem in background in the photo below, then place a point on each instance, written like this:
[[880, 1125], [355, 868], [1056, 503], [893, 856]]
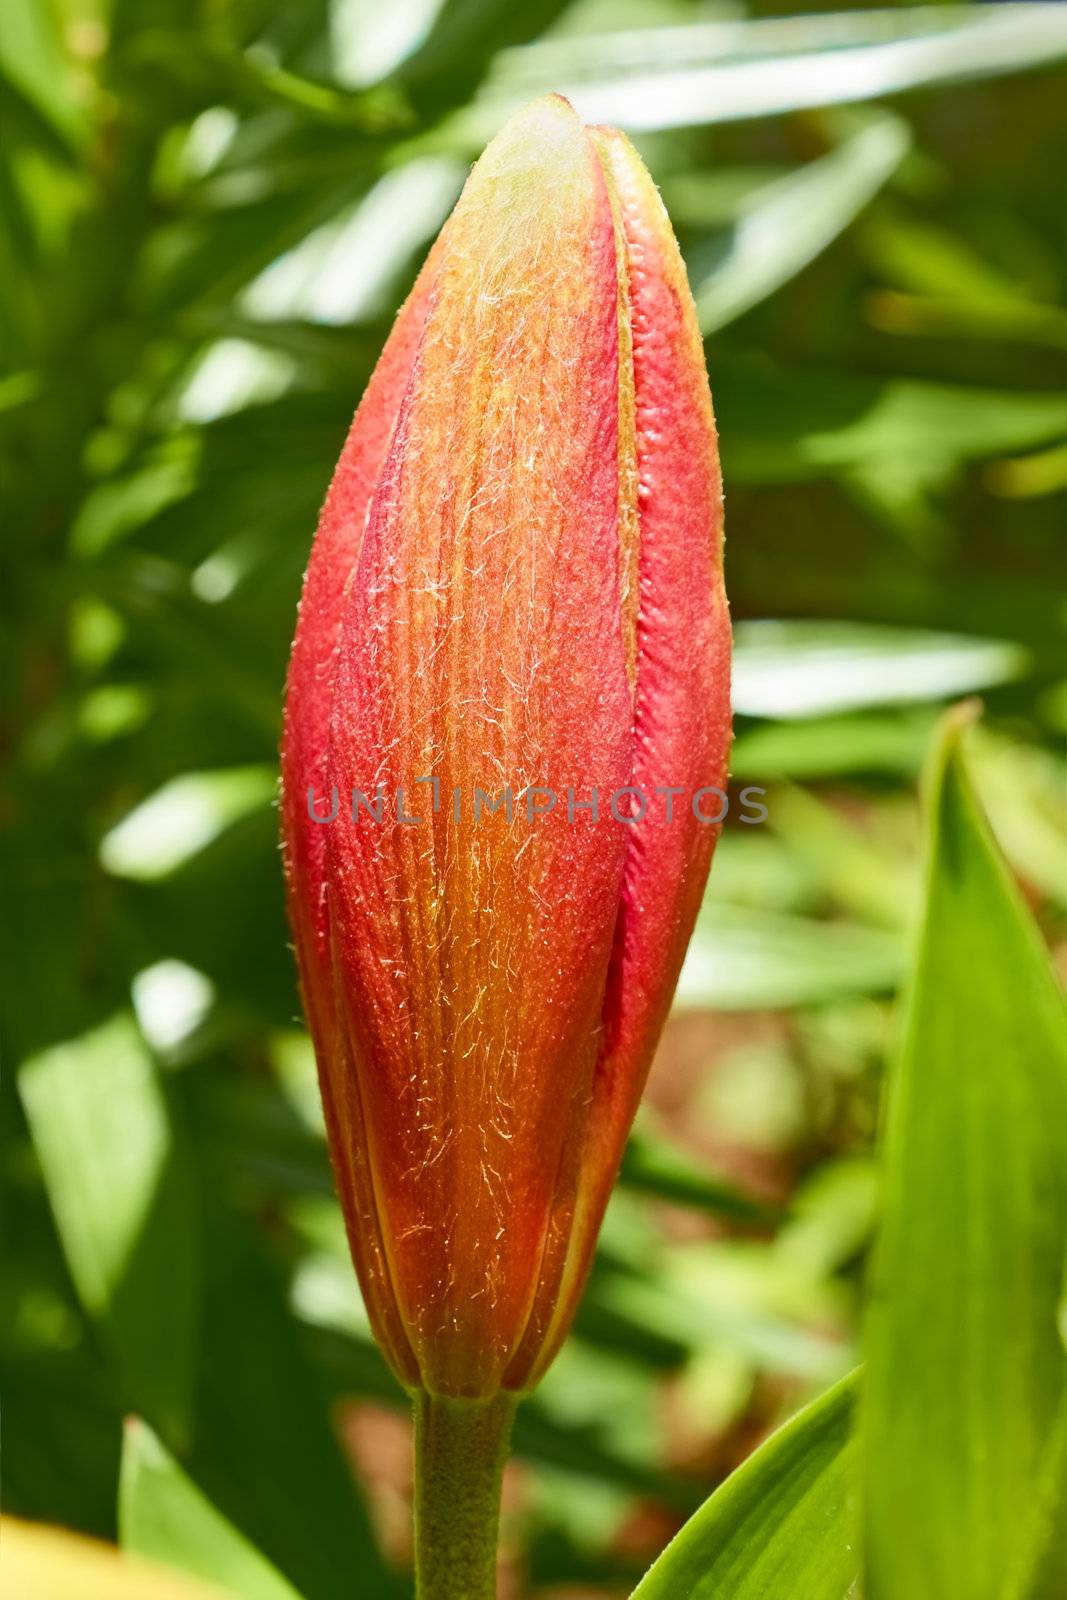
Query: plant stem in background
[[460, 1449]]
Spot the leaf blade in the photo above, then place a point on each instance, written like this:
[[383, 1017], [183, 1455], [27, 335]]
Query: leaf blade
[[121, 1191], [969, 1265], [164, 1517], [779, 1526]]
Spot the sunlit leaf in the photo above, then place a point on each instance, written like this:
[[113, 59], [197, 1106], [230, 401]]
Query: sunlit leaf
[[164, 1517], [966, 1368], [740, 959], [176, 822], [35, 65], [722, 72], [781, 1526], [369, 41], [786, 224], [806, 668], [124, 1201], [351, 267]]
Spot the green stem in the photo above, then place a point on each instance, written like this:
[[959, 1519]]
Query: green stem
[[460, 1449]]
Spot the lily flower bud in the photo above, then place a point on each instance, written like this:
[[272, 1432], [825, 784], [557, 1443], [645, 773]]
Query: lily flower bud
[[515, 589]]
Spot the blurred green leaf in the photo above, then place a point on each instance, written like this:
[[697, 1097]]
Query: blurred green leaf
[[654, 78], [781, 1526], [1047, 1577], [949, 289], [768, 1305], [741, 960], [164, 1517], [786, 224], [263, 1450], [452, 59], [1022, 788], [652, 1165], [179, 820], [890, 741], [785, 427], [36, 67], [804, 668], [860, 873], [966, 1369], [125, 1204]]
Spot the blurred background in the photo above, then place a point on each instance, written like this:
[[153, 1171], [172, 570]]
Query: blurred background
[[209, 212]]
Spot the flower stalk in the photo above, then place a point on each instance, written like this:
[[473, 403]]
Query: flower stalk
[[460, 1450]]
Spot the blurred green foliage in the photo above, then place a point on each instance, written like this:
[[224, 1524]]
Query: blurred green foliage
[[208, 215]]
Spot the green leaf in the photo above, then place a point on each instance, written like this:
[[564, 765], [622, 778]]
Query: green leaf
[[164, 1516], [1047, 1578], [652, 78], [740, 959], [789, 426], [125, 1205], [652, 1165], [750, 1298], [805, 667], [34, 62], [1021, 786], [264, 1451], [173, 825], [861, 874], [786, 224], [966, 1368], [456, 51], [888, 741], [780, 1527]]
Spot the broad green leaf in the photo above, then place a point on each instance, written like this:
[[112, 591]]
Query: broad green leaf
[[34, 61], [966, 1370], [805, 668], [1046, 1576], [786, 224], [164, 1517], [722, 72], [264, 1451], [781, 1526], [125, 1204], [741, 959]]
